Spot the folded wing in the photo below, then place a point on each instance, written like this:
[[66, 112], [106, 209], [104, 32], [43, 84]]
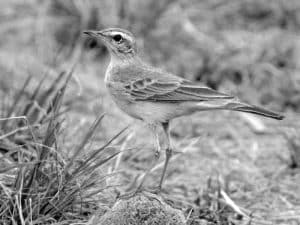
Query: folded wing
[[164, 90]]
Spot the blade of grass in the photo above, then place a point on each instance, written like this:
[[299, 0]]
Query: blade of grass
[[50, 137], [17, 98], [47, 94], [33, 98], [97, 151], [85, 140], [102, 162]]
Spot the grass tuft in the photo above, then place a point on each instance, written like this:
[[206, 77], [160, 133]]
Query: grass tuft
[[37, 184]]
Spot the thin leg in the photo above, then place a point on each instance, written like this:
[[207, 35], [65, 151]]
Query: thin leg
[[156, 158], [168, 153], [157, 145]]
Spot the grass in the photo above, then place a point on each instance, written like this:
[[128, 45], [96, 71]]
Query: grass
[[39, 185], [60, 165]]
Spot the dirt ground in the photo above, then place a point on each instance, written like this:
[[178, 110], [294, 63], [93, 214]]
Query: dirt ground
[[248, 48]]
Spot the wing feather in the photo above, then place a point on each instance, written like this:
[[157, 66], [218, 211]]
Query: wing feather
[[157, 90], [149, 84]]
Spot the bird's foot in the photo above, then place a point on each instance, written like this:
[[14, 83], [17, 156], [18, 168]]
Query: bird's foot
[[130, 194], [156, 190]]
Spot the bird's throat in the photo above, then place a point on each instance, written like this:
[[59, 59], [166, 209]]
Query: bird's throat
[[116, 61]]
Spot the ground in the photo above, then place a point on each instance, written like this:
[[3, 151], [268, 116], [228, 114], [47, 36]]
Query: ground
[[247, 48]]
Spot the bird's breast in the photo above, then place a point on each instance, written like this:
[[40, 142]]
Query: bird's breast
[[150, 112]]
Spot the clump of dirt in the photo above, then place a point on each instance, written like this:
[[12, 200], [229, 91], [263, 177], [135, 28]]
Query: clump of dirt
[[144, 208]]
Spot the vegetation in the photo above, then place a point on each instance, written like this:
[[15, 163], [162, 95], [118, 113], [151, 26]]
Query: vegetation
[[66, 152]]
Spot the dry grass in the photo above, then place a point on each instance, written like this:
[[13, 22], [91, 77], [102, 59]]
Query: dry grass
[[39, 185], [240, 171]]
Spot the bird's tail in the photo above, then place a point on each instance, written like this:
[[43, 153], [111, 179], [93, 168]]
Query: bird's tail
[[244, 107]]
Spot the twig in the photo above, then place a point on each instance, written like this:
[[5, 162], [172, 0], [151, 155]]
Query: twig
[[17, 130], [231, 203], [13, 118], [123, 147]]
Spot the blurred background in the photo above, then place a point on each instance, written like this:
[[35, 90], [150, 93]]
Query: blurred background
[[249, 48]]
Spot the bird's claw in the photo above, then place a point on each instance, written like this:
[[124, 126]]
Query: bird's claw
[[131, 194], [156, 190]]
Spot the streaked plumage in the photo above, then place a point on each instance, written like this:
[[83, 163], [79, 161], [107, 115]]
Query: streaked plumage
[[140, 84], [156, 96]]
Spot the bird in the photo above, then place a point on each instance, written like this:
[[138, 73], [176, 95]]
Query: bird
[[155, 96]]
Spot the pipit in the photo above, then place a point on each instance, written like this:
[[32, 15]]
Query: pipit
[[156, 96]]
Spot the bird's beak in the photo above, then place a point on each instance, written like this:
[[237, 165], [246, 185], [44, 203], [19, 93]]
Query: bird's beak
[[91, 33], [97, 35]]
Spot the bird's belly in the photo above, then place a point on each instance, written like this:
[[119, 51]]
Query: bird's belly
[[151, 112], [127, 107]]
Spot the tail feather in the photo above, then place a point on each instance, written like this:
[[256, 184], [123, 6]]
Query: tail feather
[[243, 107]]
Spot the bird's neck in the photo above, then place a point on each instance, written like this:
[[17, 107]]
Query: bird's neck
[[116, 61], [123, 60]]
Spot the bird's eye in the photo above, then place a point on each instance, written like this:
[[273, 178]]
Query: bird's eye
[[117, 38]]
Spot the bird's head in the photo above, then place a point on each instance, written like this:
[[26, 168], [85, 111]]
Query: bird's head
[[120, 43]]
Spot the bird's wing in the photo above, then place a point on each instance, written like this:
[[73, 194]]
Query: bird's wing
[[170, 89]]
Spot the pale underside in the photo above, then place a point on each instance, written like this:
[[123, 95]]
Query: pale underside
[[156, 112]]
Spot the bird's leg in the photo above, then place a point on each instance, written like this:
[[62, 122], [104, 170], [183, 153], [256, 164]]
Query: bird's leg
[[157, 146], [168, 153], [157, 155]]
